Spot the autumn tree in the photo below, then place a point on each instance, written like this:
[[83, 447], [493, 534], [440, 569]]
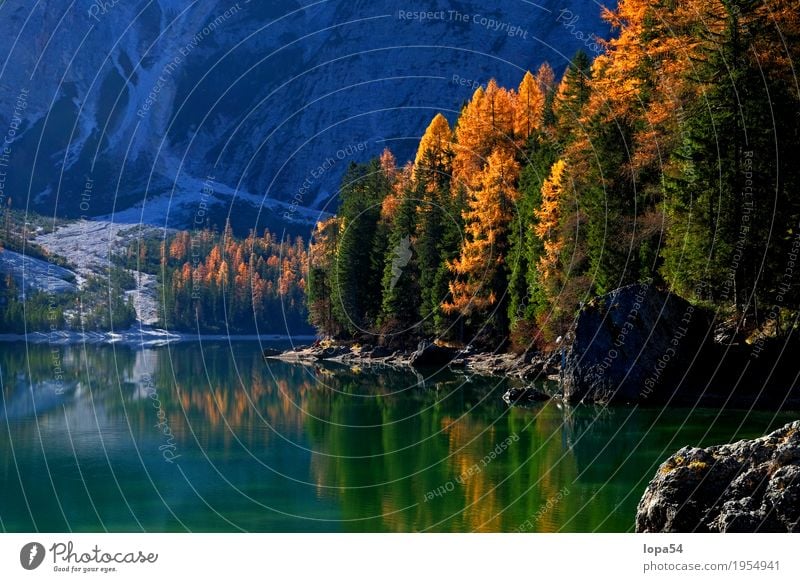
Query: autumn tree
[[529, 107], [321, 259], [485, 124], [481, 270]]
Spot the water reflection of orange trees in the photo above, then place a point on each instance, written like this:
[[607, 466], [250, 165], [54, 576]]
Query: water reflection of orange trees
[[542, 461], [388, 452], [467, 442], [246, 403]]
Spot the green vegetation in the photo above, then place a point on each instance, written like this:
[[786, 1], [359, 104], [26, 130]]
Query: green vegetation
[[670, 158]]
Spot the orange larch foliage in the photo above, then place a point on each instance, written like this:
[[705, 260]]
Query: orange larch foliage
[[400, 179], [486, 124], [489, 212], [548, 217], [179, 246], [529, 107], [437, 140]]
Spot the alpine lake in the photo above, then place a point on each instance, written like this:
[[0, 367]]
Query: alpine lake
[[210, 436]]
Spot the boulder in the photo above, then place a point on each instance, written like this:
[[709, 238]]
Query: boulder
[[632, 345], [430, 355], [748, 486], [330, 352], [380, 352]]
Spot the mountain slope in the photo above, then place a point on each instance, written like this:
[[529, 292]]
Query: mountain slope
[[115, 104]]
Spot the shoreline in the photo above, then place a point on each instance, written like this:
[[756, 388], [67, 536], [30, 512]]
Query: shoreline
[[532, 370], [525, 367]]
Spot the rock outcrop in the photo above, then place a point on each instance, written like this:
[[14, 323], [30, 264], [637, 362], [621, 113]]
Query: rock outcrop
[[632, 345], [748, 486], [429, 355]]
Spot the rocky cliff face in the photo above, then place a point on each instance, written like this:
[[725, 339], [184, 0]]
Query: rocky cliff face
[[749, 486], [107, 104], [634, 344], [639, 344]]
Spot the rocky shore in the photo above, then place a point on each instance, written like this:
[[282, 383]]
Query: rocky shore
[[635, 345], [748, 486], [427, 356]]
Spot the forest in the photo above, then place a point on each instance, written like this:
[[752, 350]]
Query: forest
[[671, 157], [206, 281], [212, 281]]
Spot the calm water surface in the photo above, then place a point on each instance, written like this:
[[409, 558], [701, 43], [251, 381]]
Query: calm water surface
[[214, 438]]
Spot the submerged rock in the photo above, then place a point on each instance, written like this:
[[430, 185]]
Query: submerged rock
[[632, 345], [522, 396], [748, 486]]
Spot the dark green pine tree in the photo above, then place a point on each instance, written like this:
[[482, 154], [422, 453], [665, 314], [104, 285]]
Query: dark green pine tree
[[729, 210], [452, 237], [438, 232], [526, 298], [572, 94], [358, 272], [401, 277], [609, 199]]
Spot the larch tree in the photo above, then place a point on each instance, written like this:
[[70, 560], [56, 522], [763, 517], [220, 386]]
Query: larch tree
[[548, 220], [481, 270], [529, 107], [437, 143], [485, 125]]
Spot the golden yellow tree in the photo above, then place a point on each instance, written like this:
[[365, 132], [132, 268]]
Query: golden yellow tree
[[480, 269], [467, 161], [437, 141], [485, 125], [548, 216], [529, 107], [497, 119]]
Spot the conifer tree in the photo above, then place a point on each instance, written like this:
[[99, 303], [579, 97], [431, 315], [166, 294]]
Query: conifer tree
[[322, 257], [481, 269], [572, 95], [401, 288], [529, 107], [358, 272]]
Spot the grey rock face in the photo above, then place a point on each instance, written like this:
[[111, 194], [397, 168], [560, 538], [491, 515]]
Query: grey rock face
[[632, 345], [748, 486], [432, 356]]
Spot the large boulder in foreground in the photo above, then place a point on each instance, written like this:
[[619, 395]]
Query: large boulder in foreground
[[632, 345], [749, 486]]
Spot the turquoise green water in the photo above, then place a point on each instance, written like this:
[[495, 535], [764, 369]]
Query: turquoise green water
[[214, 438]]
